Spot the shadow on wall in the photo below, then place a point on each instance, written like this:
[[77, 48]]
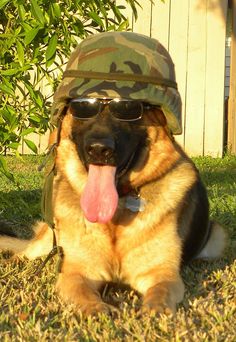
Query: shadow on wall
[[219, 8]]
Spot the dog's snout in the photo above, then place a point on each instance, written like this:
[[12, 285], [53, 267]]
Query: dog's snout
[[101, 150], [98, 149]]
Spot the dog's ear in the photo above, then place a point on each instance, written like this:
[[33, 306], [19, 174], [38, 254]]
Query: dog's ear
[[163, 122], [161, 117]]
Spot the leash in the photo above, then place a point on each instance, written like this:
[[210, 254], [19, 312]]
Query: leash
[[56, 250]]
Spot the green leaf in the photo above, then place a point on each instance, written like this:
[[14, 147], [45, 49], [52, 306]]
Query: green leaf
[[8, 115], [4, 169], [9, 84], [21, 11], [14, 145], [37, 12], [6, 89], [15, 71], [51, 49], [31, 145], [6, 35], [31, 91], [27, 131], [34, 118], [20, 52], [35, 95], [3, 3], [96, 18], [9, 72], [56, 10], [30, 35], [27, 27], [123, 26], [38, 99]]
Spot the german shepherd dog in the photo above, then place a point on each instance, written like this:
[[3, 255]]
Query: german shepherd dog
[[129, 206]]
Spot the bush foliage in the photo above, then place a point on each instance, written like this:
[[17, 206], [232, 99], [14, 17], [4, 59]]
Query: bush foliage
[[36, 38]]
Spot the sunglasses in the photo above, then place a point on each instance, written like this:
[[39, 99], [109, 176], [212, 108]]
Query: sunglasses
[[120, 109]]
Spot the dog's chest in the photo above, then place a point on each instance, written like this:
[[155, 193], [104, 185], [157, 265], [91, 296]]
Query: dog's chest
[[91, 249], [98, 250]]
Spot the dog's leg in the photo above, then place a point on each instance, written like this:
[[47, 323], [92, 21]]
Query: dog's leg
[[39, 245], [161, 286], [76, 289], [163, 297], [153, 267]]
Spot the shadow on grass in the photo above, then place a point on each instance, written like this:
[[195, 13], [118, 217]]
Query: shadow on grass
[[223, 178], [19, 209]]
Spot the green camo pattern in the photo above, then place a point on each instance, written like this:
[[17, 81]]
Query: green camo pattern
[[119, 53]]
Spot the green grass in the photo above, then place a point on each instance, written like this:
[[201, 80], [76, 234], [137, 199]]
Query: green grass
[[31, 311]]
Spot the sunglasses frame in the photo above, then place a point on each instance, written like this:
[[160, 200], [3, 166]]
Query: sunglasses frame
[[106, 101]]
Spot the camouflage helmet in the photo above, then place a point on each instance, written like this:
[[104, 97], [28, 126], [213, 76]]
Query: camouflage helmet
[[121, 65]]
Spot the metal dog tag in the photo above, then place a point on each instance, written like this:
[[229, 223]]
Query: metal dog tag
[[135, 204]]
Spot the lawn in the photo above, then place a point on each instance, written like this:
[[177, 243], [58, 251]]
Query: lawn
[[31, 310]]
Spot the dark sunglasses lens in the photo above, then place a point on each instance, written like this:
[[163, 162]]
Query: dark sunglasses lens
[[126, 110], [84, 109]]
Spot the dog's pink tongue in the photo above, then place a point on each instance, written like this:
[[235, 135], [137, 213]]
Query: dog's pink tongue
[[99, 198]]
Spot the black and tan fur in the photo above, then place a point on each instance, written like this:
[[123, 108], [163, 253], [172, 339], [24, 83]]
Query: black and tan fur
[[143, 249]]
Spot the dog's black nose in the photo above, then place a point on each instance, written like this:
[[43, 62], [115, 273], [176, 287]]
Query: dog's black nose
[[100, 150]]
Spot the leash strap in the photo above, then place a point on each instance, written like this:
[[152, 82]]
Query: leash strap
[[56, 250]]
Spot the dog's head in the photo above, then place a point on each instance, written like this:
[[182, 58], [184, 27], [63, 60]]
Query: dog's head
[[102, 155], [113, 84], [112, 136]]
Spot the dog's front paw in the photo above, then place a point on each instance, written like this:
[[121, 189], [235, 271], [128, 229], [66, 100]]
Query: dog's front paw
[[94, 308], [157, 307], [163, 297]]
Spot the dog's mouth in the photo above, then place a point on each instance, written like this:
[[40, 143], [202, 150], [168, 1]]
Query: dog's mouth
[[99, 199]]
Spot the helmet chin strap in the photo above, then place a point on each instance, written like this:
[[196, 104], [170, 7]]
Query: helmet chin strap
[[47, 201]]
